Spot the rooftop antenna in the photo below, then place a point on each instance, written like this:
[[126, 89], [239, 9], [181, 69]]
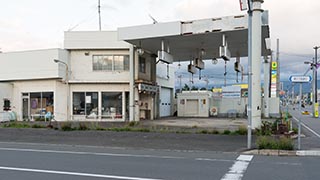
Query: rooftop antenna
[[153, 19], [99, 12]]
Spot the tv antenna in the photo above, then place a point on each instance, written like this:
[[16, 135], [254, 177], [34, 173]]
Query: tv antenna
[[99, 12], [153, 19]]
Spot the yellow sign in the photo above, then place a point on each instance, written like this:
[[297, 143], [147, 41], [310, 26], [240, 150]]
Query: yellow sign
[[316, 112], [274, 65]]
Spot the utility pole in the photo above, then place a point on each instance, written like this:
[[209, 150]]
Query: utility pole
[[99, 12], [180, 76], [255, 85], [249, 108], [315, 87]]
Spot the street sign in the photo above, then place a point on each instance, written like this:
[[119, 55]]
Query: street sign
[[274, 65], [300, 79], [243, 5]]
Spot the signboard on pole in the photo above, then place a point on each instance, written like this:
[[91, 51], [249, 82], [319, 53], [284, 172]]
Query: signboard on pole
[[243, 5], [300, 79]]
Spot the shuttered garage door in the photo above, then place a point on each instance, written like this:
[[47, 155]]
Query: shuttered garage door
[[165, 103]]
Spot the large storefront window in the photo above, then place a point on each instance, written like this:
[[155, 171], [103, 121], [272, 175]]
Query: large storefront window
[[85, 103], [40, 103], [111, 105]]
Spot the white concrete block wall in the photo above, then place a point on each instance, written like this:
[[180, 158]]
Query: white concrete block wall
[[60, 101], [93, 40], [20, 87], [82, 67], [26, 65], [5, 93]]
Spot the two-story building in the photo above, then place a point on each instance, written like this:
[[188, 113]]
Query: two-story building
[[90, 79]]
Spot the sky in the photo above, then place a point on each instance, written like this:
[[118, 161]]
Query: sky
[[40, 24]]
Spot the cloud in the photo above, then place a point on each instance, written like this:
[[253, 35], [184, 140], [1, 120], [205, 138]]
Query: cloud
[[194, 9]]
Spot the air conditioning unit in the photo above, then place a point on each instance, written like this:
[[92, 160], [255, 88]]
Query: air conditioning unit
[[224, 53], [192, 69], [199, 63], [165, 57]]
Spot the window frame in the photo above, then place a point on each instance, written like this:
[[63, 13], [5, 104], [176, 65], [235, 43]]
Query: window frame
[[113, 69]]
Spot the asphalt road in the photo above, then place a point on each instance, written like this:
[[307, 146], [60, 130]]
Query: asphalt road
[[136, 140], [310, 126], [42, 161]]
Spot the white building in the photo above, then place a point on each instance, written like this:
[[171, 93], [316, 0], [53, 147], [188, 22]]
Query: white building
[[89, 81]]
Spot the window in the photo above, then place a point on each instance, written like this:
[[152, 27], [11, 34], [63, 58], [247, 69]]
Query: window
[[142, 65], [111, 105], [40, 104], [85, 103], [110, 63]]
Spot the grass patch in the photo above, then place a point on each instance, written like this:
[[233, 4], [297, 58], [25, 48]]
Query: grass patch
[[16, 125], [37, 126], [267, 142], [241, 131], [133, 123]]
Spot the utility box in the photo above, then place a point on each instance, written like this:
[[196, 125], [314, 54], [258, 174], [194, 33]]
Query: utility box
[[194, 103]]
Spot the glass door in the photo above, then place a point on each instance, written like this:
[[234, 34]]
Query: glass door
[[25, 108]]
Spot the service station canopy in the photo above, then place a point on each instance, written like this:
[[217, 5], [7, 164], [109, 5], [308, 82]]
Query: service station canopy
[[187, 39]]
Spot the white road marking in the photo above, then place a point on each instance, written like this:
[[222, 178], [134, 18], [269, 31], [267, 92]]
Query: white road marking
[[111, 154], [215, 160], [73, 173], [304, 125], [238, 168], [89, 153]]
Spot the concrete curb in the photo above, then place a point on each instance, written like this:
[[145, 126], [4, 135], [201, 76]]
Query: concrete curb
[[271, 152]]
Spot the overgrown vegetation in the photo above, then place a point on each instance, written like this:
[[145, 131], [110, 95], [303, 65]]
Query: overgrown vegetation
[[16, 125], [268, 142]]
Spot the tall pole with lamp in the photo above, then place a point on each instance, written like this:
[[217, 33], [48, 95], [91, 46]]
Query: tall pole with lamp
[[315, 87], [67, 83]]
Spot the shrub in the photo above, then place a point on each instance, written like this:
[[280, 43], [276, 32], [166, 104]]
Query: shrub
[[266, 142], [285, 143], [266, 129], [215, 132], [226, 132]]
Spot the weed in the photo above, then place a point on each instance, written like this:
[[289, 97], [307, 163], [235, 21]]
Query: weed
[[267, 142], [226, 132], [242, 130], [38, 126], [194, 127], [66, 126], [83, 127], [204, 131], [16, 125], [285, 143], [215, 132], [133, 123]]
